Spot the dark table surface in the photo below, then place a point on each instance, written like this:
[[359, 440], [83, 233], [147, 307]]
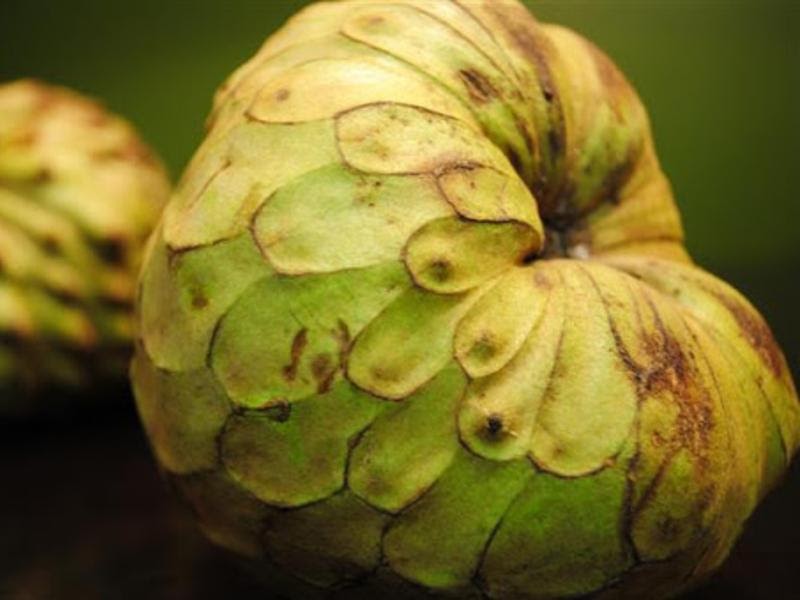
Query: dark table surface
[[85, 515]]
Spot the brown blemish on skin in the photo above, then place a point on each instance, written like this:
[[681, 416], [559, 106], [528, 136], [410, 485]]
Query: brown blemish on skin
[[613, 182], [756, 331], [670, 373], [483, 348], [521, 33], [669, 529], [670, 370], [323, 370], [440, 270], [97, 118], [555, 142], [541, 280], [50, 244], [343, 339], [478, 86], [647, 495], [522, 127], [199, 301], [132, 151], [298, 345], [282, 94], [42, 176], [610, 76], [24, 138]]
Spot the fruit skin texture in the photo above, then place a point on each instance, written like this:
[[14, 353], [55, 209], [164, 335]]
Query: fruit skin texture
[[419, 319], [79, 194]]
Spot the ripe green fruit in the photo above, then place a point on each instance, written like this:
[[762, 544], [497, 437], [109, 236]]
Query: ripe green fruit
[[420, 319], [79, 194]]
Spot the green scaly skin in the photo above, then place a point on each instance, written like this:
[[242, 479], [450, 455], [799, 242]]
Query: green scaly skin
[[419, 319], [79, 194]]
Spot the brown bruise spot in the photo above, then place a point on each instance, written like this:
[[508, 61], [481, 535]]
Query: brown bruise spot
[[527, 136], [282, 95], [478, 86], [132, 151], [43, 176], [344, 340], [50, 244], [298, 345], [648, 494], [323, 369], [542, 281], [366, 192], [610, 76], [613, 182], [756, 331], [671, 370], [484, 348], [24, 138], [97, 118], [522, 35], [440, 270], [668, 528], [199, 300]]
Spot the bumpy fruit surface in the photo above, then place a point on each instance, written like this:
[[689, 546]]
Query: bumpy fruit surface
[[420, 320], [79, 194]]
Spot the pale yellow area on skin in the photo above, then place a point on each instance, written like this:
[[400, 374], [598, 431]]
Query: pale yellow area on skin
[[294, 95], [495, 329]]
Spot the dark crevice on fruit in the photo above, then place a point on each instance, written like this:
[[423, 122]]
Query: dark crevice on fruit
[[478, 85], [279, 412], [111, 251], [494, 425], [298, 345], [555, 242]]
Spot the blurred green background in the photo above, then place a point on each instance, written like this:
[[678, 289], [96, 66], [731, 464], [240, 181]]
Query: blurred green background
[[721, 80]]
